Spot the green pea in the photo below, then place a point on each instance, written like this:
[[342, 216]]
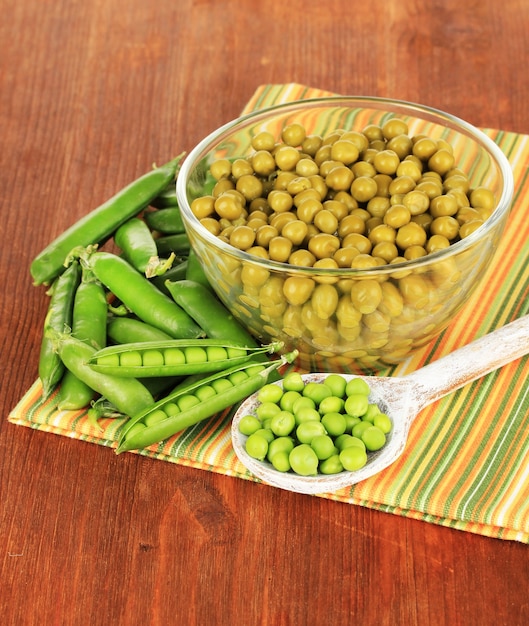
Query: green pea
[[256, 446], [346, 440], [252, 370], [216, 353], [281, 461], [332, 465], [323, 446], [353, 458], [316, 391], [356, 441], [129, 359], [335, 423], [359, 428], [301, 402], [383, 422], [306, 431], [373, 438], [154, 417], [237, 377], [267, 410], [280, 444], [356, 404], [109, 359], [306, 414], [371, 412], [152, 357], [336, 384], [357, 385], [195, 354], [266, 433], [266, 423], [288, 399], [249, 424], [186, 401], [137, 427], [303, 460], [351, 421], [221, 384], [269, 393], [293, 382], [331, 404], [204, 392], [173, 356], [171, 408], [282, 423], [235, 353]]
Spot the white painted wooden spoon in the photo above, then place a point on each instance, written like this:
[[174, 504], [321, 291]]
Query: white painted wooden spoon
[[402, 398]]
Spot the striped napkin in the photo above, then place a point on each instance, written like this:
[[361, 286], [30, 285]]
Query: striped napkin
[[466, 465]]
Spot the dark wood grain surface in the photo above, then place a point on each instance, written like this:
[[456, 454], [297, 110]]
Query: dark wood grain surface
[[91, 94]]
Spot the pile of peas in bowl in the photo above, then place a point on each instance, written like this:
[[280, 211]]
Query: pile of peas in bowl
[[352, 229]]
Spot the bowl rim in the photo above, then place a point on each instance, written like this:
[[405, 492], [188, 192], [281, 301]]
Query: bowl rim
[[437, 116]]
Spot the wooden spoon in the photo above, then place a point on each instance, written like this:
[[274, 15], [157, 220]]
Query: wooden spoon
[[401, 398]]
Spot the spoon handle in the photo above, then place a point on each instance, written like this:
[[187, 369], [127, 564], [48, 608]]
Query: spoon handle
[[472, 361]]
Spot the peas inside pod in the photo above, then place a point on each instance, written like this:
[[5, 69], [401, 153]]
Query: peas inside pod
[[177, 357], [312, 428]]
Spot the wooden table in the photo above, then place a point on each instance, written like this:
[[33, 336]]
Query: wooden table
[[93, 92]]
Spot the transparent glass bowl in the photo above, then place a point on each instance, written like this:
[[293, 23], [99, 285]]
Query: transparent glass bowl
[[420, 297]]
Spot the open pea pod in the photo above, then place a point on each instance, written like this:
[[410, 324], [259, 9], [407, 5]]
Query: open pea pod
[[197, 401], [176, 357]]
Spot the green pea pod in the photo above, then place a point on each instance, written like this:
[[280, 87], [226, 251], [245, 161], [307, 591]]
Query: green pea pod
[[177, 272], [130, 330], [128, 395], [160, 386], [59, 317], [89, 324], [90, 312], [166, 198], [179, 357], [202, 305], [195, 271], [139, 295], [139, 248], [98, 225], [157, 423], [173, 244], [165, 221]]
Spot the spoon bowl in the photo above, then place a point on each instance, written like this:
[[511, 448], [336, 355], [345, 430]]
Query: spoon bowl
[[401, 398]]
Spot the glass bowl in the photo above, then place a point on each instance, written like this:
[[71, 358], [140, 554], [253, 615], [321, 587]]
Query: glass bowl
[[404, 305]]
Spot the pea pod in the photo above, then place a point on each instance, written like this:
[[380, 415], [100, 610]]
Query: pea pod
[[173, 244], [98, 225], [139, 295], [128, 395], [59, 317], [194, 270], [89, 324], [201, 304], [129, 330], [166, 198], [179, 357], [177, 272], [139, 248], [166, 221], [196, 402]]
